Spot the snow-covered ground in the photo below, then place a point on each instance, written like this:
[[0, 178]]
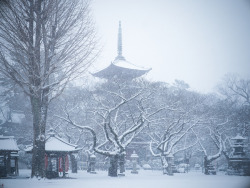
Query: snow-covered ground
[[145, 179]]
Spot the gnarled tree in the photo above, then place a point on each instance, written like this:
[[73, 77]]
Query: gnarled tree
[[173, 125], [119, 112]]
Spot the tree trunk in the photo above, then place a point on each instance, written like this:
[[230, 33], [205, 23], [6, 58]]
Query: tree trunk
[[39, 124], [208, 167], [169, 169], [122, 163], [166, 166], [226, 156], [73, 163], [113, 166], [38, 101], [206, 164], [88, 164], [38, 154]]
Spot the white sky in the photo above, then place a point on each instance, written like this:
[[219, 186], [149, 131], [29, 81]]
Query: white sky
[[196, 41]]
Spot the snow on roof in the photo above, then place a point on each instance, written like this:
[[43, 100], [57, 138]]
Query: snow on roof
[[56, 144], [121, 68], [8, 143], [119, 71], [17, 116], [238, 137], [127, 65]]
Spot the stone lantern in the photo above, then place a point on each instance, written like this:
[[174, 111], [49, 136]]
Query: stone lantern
[[239, 163], [134, 158], [92, 163], [238, 146]]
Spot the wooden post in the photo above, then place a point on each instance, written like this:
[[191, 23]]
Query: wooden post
[[8, 164], [73, 163], [5, 164], [63, 164], [16, 166], [57, 165]]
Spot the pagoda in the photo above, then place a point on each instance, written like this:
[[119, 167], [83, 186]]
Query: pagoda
[[120, 69], [239, 163]]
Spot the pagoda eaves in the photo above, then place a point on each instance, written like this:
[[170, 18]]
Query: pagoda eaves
[[121, 69]]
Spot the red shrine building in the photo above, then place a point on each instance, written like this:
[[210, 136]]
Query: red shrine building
[[57, 155]]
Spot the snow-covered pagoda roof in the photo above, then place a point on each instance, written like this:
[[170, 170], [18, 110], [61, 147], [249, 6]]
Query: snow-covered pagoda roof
[[8, 143], [238, 137], [120, 68], [55, 144]]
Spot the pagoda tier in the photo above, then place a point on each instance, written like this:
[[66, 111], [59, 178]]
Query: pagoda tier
[[120, 69]]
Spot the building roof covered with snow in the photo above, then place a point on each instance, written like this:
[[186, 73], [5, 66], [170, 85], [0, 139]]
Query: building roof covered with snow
[[8, 143], [56, 144], [120, 68], [238, 137]]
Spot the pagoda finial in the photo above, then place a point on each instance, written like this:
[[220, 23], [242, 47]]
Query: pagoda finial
[[119, 46]]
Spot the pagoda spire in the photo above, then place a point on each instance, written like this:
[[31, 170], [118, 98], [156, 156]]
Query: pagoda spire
[[119, 43]]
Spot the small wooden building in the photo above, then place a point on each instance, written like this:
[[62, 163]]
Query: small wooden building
[[8, 156], [57, 153]]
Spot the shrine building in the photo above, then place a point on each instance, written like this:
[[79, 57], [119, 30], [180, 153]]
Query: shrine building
[[57, 153], [8, 156]]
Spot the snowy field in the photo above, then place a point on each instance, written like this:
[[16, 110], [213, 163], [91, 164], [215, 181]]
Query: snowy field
[[145, 179]]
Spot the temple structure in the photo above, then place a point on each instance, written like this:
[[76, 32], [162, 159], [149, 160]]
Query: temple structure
[[8, 156], [57, 153], [120, 68]]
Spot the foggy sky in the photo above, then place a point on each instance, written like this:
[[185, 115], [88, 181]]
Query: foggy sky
[[192, 40]]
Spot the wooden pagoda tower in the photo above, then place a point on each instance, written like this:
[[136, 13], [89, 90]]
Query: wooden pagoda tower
[[120, 69]]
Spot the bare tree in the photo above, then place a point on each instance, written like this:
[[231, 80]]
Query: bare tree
[[118, 115], [236, 93], [171, 127], [6, 92], [44, 45], [167, 140], [236, 89], [217, 135]]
